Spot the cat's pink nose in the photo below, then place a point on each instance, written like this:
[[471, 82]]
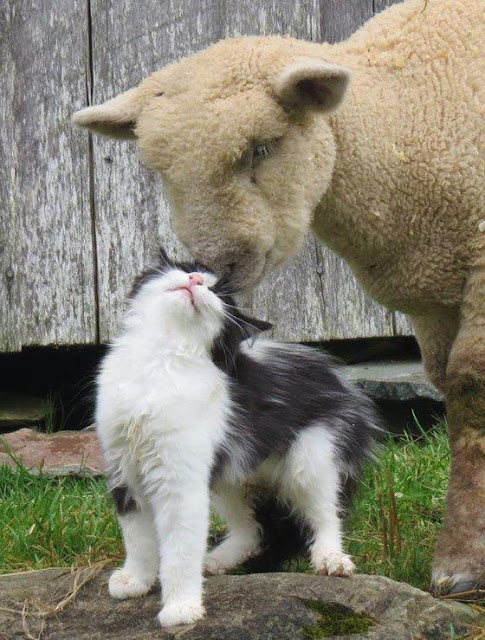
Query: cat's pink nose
[[195, 279]]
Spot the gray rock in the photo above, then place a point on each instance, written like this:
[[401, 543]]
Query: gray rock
[[280, 606], [400, 380]]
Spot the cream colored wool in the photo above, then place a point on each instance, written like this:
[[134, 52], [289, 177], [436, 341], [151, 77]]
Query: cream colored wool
[[388, 172]]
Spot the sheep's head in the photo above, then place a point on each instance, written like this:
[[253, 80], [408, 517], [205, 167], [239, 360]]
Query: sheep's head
[[240, 134]]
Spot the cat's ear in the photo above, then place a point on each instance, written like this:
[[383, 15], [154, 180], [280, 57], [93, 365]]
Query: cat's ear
[[255, 325], [163, 258]]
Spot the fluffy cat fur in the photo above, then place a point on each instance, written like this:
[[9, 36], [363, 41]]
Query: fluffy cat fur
[[190, 407]]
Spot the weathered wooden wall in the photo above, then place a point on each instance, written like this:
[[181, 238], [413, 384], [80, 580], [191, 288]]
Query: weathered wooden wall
[[80, 215], [47, 275]]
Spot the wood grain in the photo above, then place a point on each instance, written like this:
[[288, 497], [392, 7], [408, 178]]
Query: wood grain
[[380, 5], [402, 325], [314, 297], [340, 18], [47, 292]]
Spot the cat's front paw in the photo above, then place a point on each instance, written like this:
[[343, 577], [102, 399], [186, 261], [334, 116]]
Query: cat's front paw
[[123, 584], [180, 613], [334, 563]]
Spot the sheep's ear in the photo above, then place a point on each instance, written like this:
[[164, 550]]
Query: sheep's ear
[[313, 83], [115, 118]]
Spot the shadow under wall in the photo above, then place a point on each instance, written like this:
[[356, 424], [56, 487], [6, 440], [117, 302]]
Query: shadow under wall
[[66, 377]]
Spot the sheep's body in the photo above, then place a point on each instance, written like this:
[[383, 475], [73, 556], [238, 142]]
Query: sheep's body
[[405, 206], [392, 180]]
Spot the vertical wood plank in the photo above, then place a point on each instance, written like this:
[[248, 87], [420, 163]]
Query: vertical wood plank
[[131, 40], [290, 297], [380, 5], [340, 18], [402, 325], [297, 18], [47, 293]]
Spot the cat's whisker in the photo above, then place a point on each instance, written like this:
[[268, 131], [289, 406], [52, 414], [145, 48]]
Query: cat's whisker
[[239, 308]]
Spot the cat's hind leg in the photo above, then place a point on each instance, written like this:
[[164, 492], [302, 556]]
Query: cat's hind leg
[[140, 569], [310, 484], [244, 536]]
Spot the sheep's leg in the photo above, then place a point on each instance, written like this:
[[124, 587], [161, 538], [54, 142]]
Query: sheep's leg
[[459, 562], [435, 336]]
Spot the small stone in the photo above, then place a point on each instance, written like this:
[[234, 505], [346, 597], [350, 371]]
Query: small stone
[[481, 226], [401, 380], [61, 453]]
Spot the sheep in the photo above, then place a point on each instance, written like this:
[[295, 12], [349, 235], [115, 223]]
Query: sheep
[[376, 144]]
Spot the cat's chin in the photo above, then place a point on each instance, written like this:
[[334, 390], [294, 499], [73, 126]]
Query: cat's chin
[[180, 306], [198, 310]]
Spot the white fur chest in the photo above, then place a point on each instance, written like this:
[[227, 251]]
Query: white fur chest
[[159, 411]]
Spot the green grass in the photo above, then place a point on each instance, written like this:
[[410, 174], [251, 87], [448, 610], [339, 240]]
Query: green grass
[[54, 522], [399, 509], [69, 521]]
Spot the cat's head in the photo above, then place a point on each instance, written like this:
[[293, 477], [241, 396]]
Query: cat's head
[[189, 296]]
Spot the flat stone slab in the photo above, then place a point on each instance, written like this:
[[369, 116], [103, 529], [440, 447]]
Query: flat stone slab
[[281, 606], [399, 380], [61, 453], [19, 409]]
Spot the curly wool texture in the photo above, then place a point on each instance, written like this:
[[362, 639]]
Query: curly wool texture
[[412, 185]]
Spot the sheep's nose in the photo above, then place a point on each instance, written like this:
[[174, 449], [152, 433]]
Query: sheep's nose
[[195, 279]]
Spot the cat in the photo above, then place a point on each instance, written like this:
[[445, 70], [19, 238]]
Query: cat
[[192, 406]]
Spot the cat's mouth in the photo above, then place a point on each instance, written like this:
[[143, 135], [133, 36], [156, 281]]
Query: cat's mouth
[[188, 292]]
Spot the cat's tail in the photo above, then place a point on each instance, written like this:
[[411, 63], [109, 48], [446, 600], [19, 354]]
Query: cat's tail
[[284, 536]]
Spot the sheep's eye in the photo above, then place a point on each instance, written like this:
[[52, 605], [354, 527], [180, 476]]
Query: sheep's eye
[[263, 150], [258, 152]]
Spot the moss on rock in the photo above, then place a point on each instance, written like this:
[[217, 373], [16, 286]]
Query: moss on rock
[[334, 620]]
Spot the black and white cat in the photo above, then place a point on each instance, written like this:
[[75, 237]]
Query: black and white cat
[[189, 409]]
